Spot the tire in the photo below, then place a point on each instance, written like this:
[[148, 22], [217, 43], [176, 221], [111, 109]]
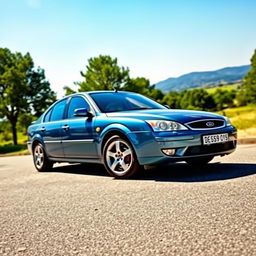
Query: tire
[[201, 161], [40, 159], [120, 159]]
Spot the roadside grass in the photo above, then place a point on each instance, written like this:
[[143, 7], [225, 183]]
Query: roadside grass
[[6, 138], [228, 87], [7, 147], [243, 118]]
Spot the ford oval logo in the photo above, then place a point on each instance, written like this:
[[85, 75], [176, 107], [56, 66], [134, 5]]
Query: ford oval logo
[[210, 124]]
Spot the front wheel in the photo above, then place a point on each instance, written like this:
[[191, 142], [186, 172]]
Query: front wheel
[[200, 161], [119, 158], [40, 158]]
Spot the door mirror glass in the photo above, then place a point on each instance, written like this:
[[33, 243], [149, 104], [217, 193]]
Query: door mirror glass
[[82, 112], [78, 104]]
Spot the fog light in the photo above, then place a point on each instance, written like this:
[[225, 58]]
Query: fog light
[[169, 151]]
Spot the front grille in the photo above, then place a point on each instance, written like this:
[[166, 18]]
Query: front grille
[[206, 124], [208, 149]]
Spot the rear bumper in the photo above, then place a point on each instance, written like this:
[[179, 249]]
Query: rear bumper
[[187, 145]]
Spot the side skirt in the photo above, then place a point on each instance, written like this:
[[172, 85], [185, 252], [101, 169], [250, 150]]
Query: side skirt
[[76, 160]]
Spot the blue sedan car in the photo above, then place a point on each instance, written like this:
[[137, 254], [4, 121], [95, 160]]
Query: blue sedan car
[[125, 131]]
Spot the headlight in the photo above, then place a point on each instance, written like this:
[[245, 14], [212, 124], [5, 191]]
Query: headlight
[[228, 122], [165, 126]]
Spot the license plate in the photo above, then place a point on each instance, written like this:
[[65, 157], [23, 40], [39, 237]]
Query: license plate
[[215, 138]]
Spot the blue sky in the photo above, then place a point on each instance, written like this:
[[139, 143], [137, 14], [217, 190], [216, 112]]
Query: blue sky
[[156, 39]]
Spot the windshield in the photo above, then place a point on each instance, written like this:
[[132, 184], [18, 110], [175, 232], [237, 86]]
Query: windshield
[[116, 101]]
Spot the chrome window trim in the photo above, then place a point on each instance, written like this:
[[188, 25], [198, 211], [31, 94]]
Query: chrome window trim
[[64, 141], [91, 103], [85, 140], [52, 141], [200, 120]]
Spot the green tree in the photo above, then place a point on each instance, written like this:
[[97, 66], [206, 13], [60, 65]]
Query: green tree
[[139, 85], [197, 99], [248, 92], [172, 99], [24, 120], [39, 93], [224, 98], [155, 94], [5, 128], [142, 85], [68, 90], [241, 98], [22, 88], [103, 73]]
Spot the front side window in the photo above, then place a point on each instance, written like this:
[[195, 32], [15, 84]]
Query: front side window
[[58, 111], [75, 103]]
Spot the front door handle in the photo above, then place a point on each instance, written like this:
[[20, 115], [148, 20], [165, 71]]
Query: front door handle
[[42, 129], [65, 127]]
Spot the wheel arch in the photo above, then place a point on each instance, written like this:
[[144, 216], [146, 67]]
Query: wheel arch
[[35, 142], [111, 133], [133, 165]]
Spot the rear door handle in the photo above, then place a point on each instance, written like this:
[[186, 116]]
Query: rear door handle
[[42, 129], [65, 127]]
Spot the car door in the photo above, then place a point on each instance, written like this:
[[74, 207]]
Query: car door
[[50, 129], [77, 132]]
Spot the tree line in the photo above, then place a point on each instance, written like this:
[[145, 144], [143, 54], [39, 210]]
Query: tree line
[[25, 93], [201, 99], [103, 73]]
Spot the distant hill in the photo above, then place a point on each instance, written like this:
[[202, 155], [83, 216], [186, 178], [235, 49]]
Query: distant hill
[[192, 80]]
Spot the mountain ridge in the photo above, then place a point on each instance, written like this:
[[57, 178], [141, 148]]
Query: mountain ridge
[[203, 79]]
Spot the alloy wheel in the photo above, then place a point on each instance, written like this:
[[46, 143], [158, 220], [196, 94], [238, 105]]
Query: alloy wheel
[[119, 157], [38, 156]]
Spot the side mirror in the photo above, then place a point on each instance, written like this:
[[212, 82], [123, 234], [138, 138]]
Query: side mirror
[[82, 112], [167, 106]]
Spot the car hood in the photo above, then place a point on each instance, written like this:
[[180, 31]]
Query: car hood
[[182, 116]]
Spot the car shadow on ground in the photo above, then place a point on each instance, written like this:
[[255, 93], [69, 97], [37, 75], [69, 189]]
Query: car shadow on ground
[[212, 172], [82, 169], [178, 172]]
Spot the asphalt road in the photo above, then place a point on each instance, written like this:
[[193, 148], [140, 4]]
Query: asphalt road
[[171, 210]]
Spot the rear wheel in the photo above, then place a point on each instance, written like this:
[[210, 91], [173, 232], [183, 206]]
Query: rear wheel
[[40, 158], [200, 161], [119, 158]]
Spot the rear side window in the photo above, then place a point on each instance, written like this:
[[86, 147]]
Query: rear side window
[[58, 111], [47, 116], [75, 103]]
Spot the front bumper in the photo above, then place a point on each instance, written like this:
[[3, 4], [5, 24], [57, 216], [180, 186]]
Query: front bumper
[[187, 145]]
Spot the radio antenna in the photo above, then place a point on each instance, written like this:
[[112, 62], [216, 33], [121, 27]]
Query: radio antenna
[[115, 89]]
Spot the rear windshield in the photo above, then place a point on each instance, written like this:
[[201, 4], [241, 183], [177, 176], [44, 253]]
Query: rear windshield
[[116, 101]]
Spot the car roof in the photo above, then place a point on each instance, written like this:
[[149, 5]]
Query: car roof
[[103, 91]]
